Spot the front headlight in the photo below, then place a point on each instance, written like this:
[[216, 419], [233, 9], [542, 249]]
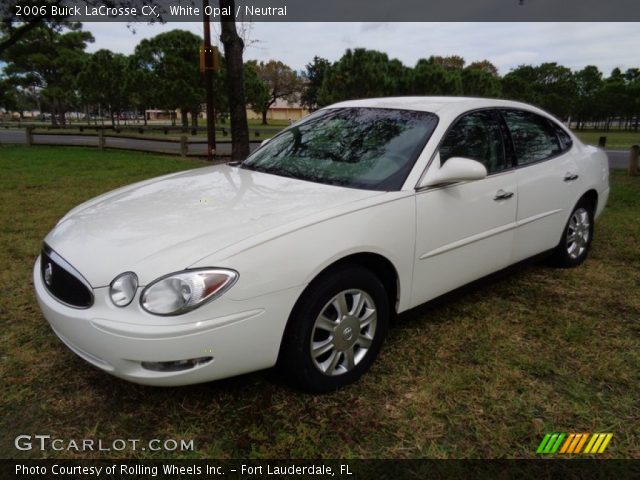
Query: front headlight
[[181, 292], [123, 289]]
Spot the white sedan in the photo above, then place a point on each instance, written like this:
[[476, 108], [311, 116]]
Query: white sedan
[[303, 253]]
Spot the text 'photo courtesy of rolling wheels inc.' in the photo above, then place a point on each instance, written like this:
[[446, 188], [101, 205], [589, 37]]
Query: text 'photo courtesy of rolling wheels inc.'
[[294, 239]]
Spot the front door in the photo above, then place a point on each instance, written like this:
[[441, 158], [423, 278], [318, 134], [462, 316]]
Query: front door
[[465, 230]]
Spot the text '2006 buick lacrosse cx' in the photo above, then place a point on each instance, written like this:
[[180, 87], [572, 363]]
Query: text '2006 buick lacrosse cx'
[[301, 254]]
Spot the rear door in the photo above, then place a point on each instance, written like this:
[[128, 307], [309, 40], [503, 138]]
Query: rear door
[[465, 230], [547, 178]]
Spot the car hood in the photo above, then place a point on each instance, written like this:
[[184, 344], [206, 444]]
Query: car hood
[[166, 224]]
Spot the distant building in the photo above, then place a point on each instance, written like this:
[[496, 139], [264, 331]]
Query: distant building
[[281, 110], [155, 114]]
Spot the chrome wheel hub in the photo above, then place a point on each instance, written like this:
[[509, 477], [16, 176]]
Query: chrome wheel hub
[[343, 332], [345, 335], [578, 233]]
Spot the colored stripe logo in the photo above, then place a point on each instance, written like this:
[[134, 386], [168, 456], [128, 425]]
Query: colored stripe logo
[[574, 443]]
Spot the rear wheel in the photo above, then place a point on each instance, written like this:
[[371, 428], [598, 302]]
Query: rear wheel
[[336, 329], [576, 238]]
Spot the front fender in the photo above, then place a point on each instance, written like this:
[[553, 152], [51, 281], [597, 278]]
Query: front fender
[[295, 258]]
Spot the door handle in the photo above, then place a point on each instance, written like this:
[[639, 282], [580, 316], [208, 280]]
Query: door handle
[[502, 195], [570, 177]]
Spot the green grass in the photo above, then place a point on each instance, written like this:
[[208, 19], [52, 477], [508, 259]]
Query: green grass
[[616, 139], [484, 374]]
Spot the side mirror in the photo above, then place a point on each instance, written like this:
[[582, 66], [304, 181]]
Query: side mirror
[[264, 142], [455, 169]]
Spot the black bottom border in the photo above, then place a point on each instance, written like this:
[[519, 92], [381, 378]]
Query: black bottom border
[[117, 469]]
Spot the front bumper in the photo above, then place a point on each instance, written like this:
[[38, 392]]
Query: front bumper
[[241, 336]]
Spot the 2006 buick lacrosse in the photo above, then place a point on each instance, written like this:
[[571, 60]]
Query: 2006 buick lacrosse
[[301, 254]]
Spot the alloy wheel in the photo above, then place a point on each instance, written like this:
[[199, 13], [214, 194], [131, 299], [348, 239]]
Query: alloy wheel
[[578, 233], [343, 332]]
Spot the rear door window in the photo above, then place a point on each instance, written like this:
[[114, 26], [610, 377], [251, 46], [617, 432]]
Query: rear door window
[[534, 139]]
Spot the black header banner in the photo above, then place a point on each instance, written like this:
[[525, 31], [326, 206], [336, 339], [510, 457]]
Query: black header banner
[[326, 10]]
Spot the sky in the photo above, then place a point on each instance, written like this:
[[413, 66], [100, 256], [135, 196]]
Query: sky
[[506, 45]]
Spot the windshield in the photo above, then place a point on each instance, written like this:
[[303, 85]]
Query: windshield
[[369, 148]]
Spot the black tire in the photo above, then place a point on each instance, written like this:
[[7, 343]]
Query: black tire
[[563, 256], [342, 283]]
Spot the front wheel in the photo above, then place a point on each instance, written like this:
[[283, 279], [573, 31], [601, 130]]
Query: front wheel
[[576, 238], [336, 329]]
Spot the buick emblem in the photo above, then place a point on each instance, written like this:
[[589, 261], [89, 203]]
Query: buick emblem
[[48, 274], [347, 333]]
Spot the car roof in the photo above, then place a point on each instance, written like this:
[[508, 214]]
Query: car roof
[[439, 105]]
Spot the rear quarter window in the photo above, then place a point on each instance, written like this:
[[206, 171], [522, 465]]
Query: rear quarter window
[[565, 139]]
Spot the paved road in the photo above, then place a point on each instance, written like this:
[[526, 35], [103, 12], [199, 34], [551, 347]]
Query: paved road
[[617, 158]]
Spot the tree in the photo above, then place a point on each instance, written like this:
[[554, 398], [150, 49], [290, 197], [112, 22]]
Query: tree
[[169, 61], [312, 79], [431, 78], [139, 80], [104, 81], [47, 60], [555, 88], [480, 83], [631, 108], [614, 97], [362, 73], [280, 81], [633, 94], [8, 95], [484, 66], [233, 47], [453, 62], [400, 78], [220, 92], [549, 85], [17, 99], [256, 89], [589, 84], [519, 84], [16, 28]]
